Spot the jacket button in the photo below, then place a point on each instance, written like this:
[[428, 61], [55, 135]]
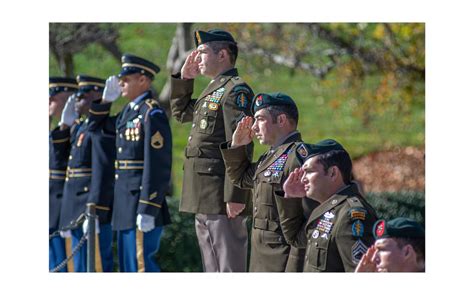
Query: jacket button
[[121, 135], [189, 138], [86, 189], [194, 125], [70, 157], [116, 176], [141, 187], [209, 169], [120, 149], [255, 209]]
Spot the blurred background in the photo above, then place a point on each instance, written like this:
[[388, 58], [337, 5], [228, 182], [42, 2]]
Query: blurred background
[[362, 84]]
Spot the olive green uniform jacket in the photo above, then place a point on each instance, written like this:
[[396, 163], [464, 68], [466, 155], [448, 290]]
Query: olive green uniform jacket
[[337, 233], [214, 116], [269, 250]]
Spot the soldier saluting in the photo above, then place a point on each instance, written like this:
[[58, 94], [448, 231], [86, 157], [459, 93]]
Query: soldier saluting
[[207, 192]]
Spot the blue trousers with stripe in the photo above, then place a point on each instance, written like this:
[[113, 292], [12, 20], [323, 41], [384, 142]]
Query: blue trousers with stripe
[[57, 252], [137, 250], [105, 247]]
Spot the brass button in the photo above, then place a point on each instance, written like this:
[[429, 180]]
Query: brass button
[[120, 149], [70, 157], [189, 138], [255, 209], [209, 169], [194, 125], [86, 189], [141, 187], [116, 176], [121, 135]]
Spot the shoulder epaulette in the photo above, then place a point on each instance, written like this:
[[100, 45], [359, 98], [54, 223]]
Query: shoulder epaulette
[[354, 202]]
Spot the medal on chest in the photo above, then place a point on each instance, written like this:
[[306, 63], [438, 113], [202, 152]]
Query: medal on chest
[[132, 131], [324, 226], [215, 97], [276, 168]]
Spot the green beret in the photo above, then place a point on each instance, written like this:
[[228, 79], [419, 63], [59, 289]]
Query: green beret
[[305, 151], [400, 227], [202, 37], [263, 100]]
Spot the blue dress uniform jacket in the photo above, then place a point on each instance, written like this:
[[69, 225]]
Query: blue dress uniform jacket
[[143, 164], [90, 173], [58, 154]]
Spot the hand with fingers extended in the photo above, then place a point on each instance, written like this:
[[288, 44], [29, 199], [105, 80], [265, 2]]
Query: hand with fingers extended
[[69, 113], [243, 134], [190, 68], [234, 209], [293, 186], [112, 89], [366, 263]]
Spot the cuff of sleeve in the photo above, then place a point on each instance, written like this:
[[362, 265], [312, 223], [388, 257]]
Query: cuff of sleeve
[[98, 108], [147, 207], [236, 154], [58, 135]]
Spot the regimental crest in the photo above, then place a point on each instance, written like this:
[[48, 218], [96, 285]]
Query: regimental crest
[[380, 228], [302, 151], [358, 249]]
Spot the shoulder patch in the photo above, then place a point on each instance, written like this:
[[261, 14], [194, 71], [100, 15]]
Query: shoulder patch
[[157, 140], [243, 95]]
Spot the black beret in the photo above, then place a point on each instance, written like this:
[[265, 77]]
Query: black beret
[[264, 100], [202, 37], [132, 64], [60, 84], [400, 227], [89, 83], [305, 151]]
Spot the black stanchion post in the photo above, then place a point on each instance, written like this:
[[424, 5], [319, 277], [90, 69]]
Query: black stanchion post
[[90, 215]]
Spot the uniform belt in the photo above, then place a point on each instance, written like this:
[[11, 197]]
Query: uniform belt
[[57, 174], [265, 224], [128, 164], [78, 172], [193, 152]]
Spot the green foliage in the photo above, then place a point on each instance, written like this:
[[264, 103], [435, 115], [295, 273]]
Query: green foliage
[[179, 249], [401, 204]]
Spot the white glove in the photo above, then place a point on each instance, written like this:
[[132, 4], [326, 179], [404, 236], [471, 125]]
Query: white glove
[[69, 113], [65, 234], [145, 222], [85, 226], [112, 89]]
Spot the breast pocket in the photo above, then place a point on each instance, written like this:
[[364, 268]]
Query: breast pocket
[[207, 122], [270, 186], [318, 253]]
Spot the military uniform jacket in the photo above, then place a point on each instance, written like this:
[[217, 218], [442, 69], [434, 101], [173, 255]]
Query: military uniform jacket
[[270, 251], [143, 164], [337, 233], [58, 153], [214, 117], [90, 173]]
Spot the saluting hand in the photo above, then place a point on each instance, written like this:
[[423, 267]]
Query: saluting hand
[[190, 68], [293, 186], [69, 113], [243, 134], [366, 263], [112, 89]]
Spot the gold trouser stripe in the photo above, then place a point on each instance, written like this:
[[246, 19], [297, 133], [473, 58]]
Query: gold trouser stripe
[[140, 248], [70, 263], [98, 113], [61, 140], [98, 259], [150, 203]]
